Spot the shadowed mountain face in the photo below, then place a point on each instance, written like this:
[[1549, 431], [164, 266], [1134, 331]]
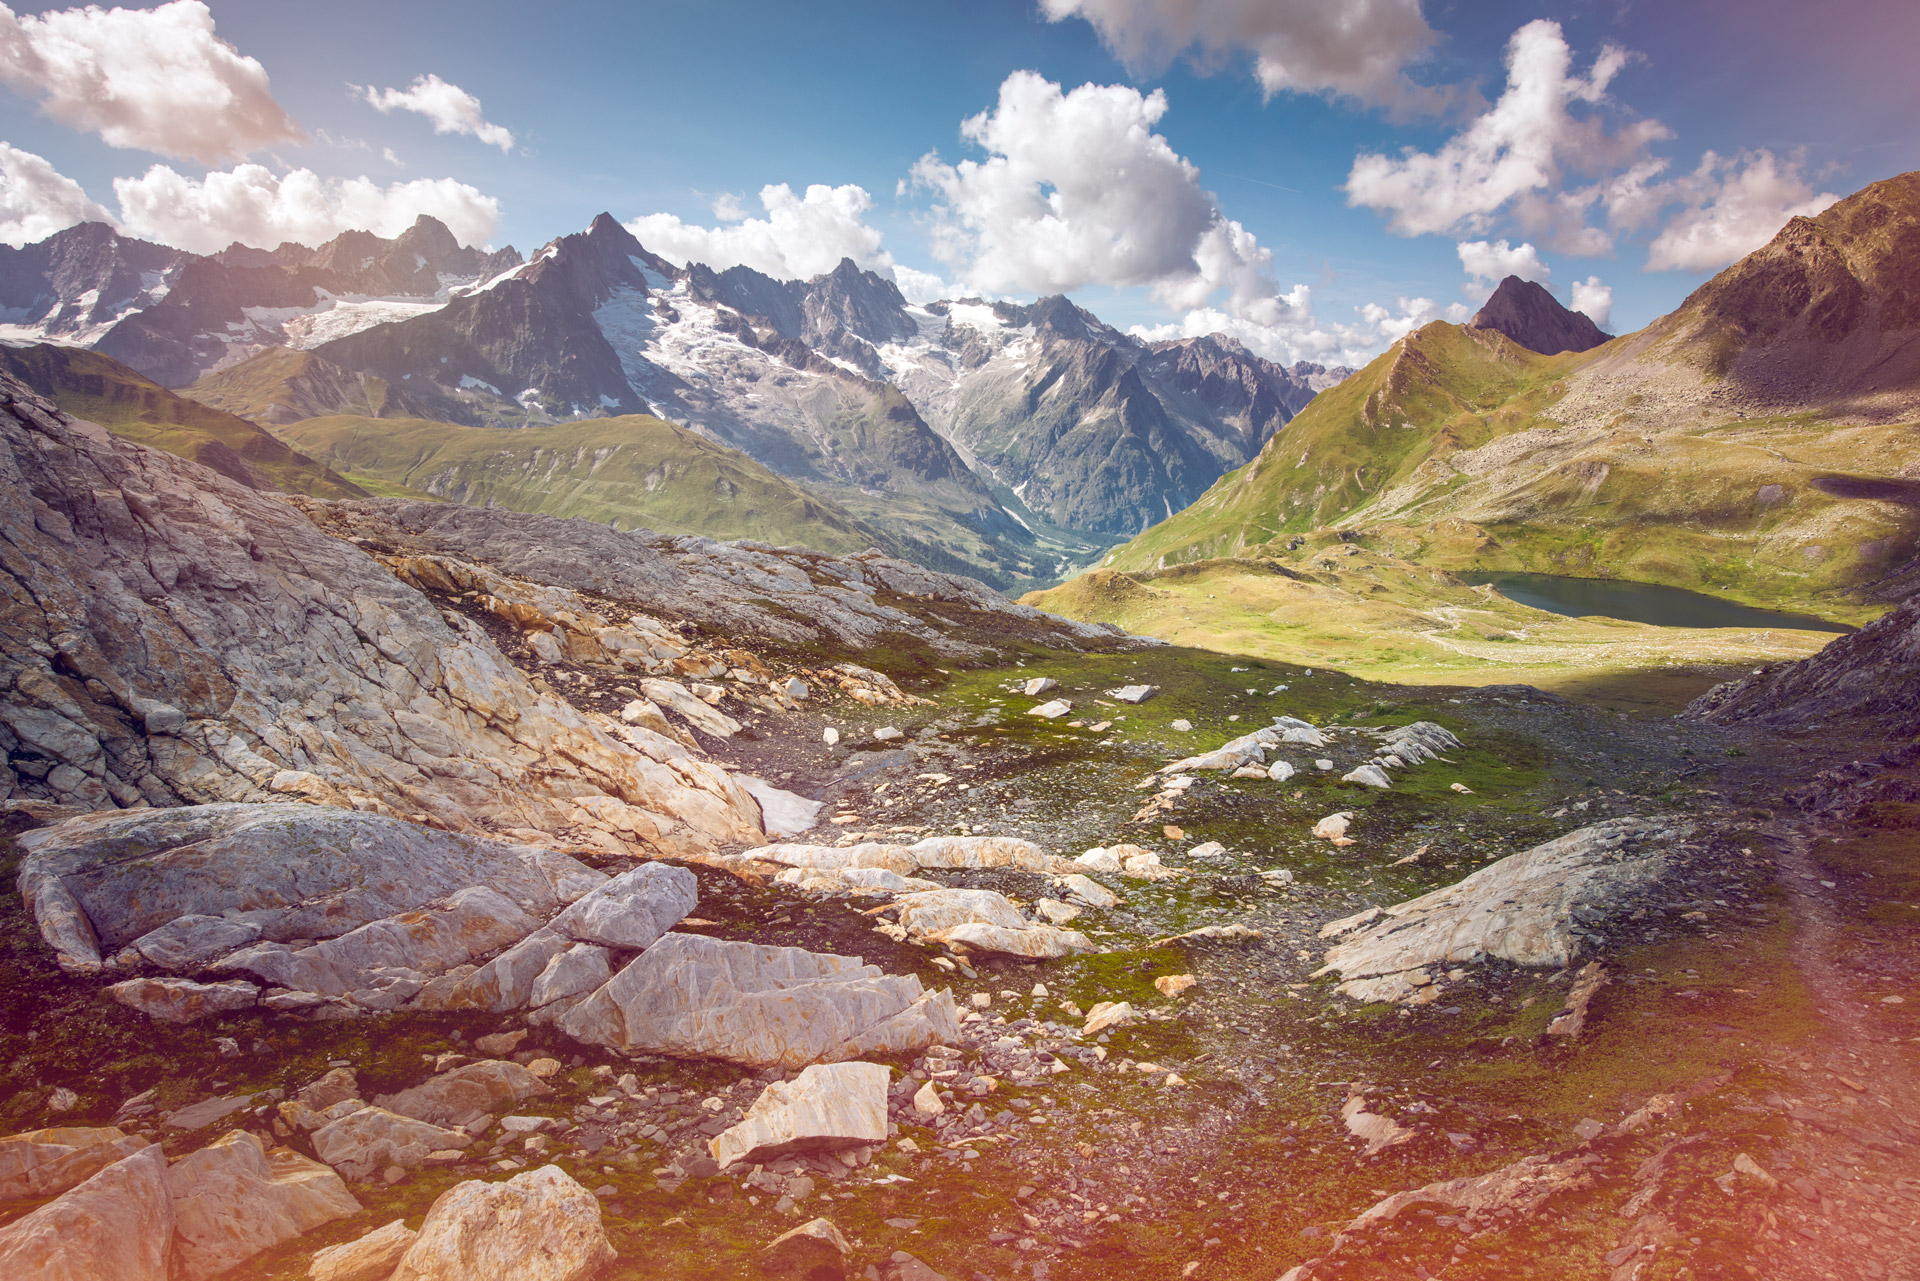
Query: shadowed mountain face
[[1534, 318]]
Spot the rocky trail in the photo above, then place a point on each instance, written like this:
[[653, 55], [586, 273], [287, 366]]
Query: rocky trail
[[668, 908]]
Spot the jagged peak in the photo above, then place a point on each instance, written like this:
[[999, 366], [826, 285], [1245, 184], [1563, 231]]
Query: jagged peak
[[1526, 312]]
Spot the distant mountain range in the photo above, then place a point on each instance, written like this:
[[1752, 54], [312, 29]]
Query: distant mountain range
[[1009, 441]]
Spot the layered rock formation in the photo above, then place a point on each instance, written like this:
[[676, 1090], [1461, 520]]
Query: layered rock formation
[[171, 636], [1863, 680]]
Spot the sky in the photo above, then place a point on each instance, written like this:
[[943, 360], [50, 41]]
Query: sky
[[1313, 177]]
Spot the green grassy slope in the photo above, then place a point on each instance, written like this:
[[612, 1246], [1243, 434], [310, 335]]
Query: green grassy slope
[[282, 385], [633, 470], [100, 389]]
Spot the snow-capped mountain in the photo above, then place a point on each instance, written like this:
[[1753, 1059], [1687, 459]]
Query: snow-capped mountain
[[175, 316]]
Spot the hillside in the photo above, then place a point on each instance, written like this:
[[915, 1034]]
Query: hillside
[[100, 389], [284, 385], [634, 470]]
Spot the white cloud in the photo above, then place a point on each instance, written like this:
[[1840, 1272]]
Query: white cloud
[[1487, 263], [1077, 189], [1594, 298], [253, 205], [156, 79], [1302, 337], [450, 108], [1514, 158], [1733, 206], [1358, 48], [37, 200], [801, 236], [921, 286]]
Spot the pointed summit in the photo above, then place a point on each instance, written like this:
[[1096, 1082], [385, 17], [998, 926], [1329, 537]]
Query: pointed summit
[[1534, 318]]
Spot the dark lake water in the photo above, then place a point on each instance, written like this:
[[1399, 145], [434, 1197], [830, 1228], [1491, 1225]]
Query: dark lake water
[[1639, 602]]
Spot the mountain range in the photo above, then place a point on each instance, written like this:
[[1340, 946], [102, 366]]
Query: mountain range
[[1011, 441], [1756, 442]]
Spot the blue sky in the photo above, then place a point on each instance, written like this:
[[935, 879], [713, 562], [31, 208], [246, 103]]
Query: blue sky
[[655, 112]]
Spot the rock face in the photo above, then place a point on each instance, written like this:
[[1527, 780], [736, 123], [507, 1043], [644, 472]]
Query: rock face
[[1528, 314], [285, 870], [633, 909], [826, 1107], [696, 997], [183, 1000], [1529, 908], [190, 640], [1862, 680], [230, 1202], [536, 1226], [118, 1224]]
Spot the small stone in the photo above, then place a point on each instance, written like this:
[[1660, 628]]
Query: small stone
[[500, 1043], [927, 1101], [1323, 764], [62, 1100], [372, 1257], [886, 734], [544, 1068], [1589, 1129], [1174, 984], [815, 1251], [830, 735], [1462, 787], [1333, 826], [1104, 1015], [1038, 686], [1182, 726], [982, 1000], [1052, 711]]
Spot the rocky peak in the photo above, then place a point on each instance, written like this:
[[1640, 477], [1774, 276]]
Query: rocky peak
[[84, 277], [1528, 314]]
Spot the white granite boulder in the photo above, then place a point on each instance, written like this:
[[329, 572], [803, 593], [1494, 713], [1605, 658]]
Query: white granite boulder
[[633, 909], [464, 1094], [43, 1163], [372, 1257], [230, 1202], [371, 1139], [536, 1226], [826, 1107], [118, 1224], [176, 1000]]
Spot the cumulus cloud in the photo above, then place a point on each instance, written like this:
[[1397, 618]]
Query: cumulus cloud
[[37, 200], [254, 206], [156, 79], [450, 108], [1356, 48], [1733, 206], [801, 236], [1487, 263], [1304, 337], [1594, 298], [1514, 159], [921, 286], [1077, 189]]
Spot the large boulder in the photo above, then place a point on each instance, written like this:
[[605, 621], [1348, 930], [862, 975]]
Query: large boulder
[[373, 1138], [175, 1000], [469, 925], [698, 997], [536, 1226], [41, 1163], [464, 1094], [634, 908], [175, 637], [290, 871], [230, 1202], [118, 1224], [372, 1257], [1530, 908], [826, 1107]]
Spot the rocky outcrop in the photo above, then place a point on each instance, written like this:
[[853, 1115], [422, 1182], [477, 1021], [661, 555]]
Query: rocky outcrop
[[278, 872], [1528, 314], [1863, 680], [1531, 908], [172, 637], [536, 1226], [464, 1094], [738, 588], [697, 997], [372, 1257], [118, 1224], [367, 1141], [827, 1107]]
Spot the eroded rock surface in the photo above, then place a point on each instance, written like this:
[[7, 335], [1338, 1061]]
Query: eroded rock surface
[[118, 1224], [828, 1106], [172, 636], [536, 1226], [1530, 908]]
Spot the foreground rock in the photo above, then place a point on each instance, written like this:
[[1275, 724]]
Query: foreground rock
[[816, 1251], [696, 997], [1528, 908], [369, 1140], [214, 644], [462, 1095], [372, 1257], [117, 1224], [231, 1201], [42, 1163], [536, 1226], [827, 1107], [287, 871]]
